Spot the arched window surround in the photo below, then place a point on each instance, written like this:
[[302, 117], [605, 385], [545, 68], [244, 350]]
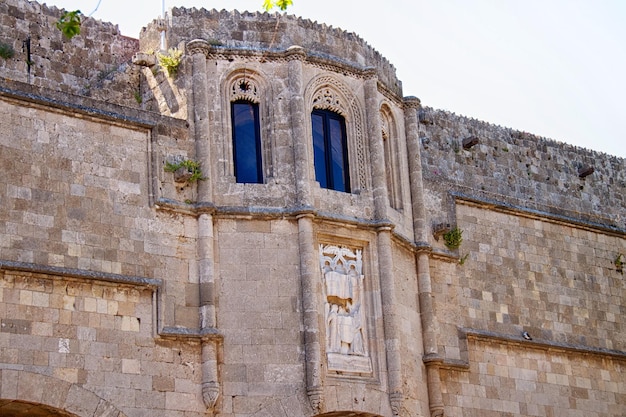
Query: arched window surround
[[389, 133], [327, 92], [246, 85]]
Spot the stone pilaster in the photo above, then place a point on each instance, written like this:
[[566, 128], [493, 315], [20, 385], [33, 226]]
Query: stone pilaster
[[199, 49], [432, 360], [377, 150], [299, 116], [390, 319], [313, 353]]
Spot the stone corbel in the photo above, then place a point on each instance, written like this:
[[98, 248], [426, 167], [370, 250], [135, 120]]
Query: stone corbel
[[316, 395], [210, 393], [395, 399], [210, 381]]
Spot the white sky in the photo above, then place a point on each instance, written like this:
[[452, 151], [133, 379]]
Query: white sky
[[555, 68]]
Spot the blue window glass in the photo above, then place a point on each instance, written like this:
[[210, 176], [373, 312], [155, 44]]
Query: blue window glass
[[330, 152], [246, 142]]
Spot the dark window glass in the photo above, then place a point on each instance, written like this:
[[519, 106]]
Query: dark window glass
[[330, 154], [246, 142]]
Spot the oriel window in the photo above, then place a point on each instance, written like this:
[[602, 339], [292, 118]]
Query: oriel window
[[246, 142], [330, 152]]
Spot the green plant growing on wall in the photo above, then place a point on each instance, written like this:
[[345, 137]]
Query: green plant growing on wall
[[453, 238], [619, 263], [6, 51], [170, 61], [189, 170]]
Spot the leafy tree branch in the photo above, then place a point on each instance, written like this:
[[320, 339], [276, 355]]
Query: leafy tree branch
[[69, 22]]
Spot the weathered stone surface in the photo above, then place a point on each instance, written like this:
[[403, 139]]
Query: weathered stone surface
[[124, 292]]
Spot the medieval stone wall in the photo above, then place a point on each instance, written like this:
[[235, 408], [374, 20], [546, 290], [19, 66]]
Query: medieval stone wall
[[96, 63], [128, 291]]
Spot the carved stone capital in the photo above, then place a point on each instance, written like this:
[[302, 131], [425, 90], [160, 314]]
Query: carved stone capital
[[198, 46], [396, 398], [295, 52], [370, 73], [412, 102], [210, 393]]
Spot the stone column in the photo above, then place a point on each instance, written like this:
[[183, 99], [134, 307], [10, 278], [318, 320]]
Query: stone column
[[199, 49], [306, 240], [432, 360], [390, 319], [299, 116], [377, 150], [310, 289]]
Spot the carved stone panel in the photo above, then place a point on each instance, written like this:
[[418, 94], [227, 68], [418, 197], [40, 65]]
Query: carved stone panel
[[345, 319]]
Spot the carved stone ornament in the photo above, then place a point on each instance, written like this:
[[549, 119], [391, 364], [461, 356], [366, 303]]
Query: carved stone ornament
[[346, 332], [315, 397], [326, 99], [395, 398], [198, 46], [244, 88], [210, 393]]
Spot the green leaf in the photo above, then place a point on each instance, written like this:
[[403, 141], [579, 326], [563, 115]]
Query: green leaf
[[283, 4], [69, 23], [268, 5]]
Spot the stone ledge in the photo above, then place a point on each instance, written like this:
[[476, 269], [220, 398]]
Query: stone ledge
[[80, 273], [566, 218]]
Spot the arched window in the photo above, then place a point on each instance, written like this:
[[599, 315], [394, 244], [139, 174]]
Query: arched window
[[246, 142], [330, 150], [392, 170]]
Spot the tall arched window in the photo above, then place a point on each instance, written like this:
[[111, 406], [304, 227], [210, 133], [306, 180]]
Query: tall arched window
[[392, 169], [246, 142], [330, 151]]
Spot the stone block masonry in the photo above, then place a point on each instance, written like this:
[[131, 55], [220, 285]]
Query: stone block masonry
[[128, 292]]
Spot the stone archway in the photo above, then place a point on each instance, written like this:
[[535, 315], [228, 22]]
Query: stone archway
[[15, 408], [26, 394]]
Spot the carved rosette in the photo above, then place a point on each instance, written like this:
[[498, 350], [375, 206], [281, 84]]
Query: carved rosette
[[210, 393], [244, 88]]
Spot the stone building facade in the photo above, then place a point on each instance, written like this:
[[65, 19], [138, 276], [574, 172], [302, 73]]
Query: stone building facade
[[311, 270]]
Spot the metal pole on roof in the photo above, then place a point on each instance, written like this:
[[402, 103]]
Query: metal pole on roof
[[163, 46]]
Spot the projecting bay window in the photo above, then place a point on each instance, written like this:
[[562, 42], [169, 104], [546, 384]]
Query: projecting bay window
[[330, 152], [246, 142]]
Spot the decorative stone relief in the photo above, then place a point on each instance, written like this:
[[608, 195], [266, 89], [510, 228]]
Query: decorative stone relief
[[243, 88], [327, 100], [346, 330]]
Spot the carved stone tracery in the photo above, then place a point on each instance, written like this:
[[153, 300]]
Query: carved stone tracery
[[244, 88], [343, 289]]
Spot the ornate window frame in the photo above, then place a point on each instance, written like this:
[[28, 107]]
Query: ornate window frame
[[245, 84], [326, 92]]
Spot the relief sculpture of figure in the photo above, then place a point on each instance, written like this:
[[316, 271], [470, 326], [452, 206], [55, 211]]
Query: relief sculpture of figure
[[346, 341]]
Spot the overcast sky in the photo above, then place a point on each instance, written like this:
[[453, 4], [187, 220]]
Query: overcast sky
[[555, 68]]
